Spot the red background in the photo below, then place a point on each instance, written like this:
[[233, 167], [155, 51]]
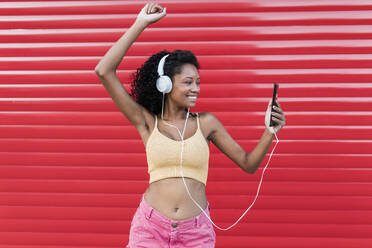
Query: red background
[[73, 169]]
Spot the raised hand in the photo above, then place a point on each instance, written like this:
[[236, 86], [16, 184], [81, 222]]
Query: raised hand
[[151, 13]]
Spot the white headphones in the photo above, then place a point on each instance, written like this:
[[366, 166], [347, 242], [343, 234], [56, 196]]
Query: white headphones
[[163, 83]]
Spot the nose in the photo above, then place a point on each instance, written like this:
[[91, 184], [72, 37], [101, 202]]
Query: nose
[[195, 88]]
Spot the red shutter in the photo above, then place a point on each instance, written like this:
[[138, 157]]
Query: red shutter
[[73, 169]]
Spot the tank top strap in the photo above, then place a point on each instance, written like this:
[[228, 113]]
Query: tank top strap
[[156, 122], [197, 120]]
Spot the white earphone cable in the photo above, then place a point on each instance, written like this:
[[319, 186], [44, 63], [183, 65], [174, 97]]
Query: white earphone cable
[[162, 107], [160, 88], [259, 186]]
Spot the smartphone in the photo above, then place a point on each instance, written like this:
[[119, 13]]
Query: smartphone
[[272, 123]]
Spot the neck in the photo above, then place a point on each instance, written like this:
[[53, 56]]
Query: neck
[[173, 113]]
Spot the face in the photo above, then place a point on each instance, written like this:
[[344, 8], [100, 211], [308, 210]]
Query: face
[[185, 87]]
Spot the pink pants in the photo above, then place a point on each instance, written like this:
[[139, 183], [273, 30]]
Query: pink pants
[[150, 229]]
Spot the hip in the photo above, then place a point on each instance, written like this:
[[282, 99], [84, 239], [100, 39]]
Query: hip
[[149, 228]]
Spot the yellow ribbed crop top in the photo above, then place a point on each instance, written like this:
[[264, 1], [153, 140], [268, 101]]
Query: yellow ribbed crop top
[[164, 156]]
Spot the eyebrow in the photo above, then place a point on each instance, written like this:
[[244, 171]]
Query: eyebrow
[[191, 77]]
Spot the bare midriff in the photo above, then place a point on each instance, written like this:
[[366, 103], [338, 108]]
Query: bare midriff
[[170, 198]]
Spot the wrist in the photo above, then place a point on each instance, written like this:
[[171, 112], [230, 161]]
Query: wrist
[[140, 23], [268, 133]]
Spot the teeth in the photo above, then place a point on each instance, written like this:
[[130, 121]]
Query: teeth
[[192, 97]]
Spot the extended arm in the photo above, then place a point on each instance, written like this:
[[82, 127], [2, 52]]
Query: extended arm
[[254, 159], [249, 162]]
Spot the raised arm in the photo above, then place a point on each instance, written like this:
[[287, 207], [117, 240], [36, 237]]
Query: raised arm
[[106, 68]]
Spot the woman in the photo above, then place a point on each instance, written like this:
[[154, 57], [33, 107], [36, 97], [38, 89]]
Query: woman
[[166, 216]]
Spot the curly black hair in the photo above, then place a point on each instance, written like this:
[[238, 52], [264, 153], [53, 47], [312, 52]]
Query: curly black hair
[[143, 81]]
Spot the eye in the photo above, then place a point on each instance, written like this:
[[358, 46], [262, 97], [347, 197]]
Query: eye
[[189, 82]]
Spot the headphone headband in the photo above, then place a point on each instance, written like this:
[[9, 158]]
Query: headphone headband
[[161, 65]]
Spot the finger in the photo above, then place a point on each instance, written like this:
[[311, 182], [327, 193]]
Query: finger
[[278, 106], [143, 10], [278, 121], [278, 116], [281, 122], [278, 109], [152, 9], [149, 8], [157, 9]]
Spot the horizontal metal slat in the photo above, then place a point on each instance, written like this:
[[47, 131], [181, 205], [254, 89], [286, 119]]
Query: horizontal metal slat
[[136, 146], [114, 7], [129, 132], [206, 62], [247, 229], [209, 76], [198, 47], [117, 7], [212, 104], [219, 160], [52, 246], [107, 215], [247, 118], [192, 34], [34, 192], [249, 187], [191, 19], [216, 174], [206, 90]]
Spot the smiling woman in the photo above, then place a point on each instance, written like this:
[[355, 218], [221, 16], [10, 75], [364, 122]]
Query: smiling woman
[[169, 215], [181, 66]]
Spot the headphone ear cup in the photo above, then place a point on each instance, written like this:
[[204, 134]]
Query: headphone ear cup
[[164, 84]]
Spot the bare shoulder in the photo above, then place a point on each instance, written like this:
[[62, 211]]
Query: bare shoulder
[[209, 123], [207, 117]]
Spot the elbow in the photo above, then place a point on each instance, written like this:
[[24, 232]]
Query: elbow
[[252, 167], [247, 166], [99, 72], [250, 170]]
